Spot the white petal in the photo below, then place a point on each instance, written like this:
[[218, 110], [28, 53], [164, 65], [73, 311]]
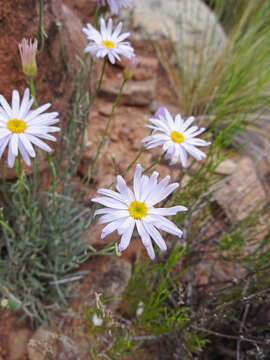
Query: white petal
[[6, 106], [122, 187], [11, 157], [15, 103], [24, 153], [162, 194], [4, 132], [28, 146], [125, 239], [183, 156], [146, 240], [129, 222], [150, 186], [41, 144], [167, 211], [193, 151], [111, 203], [187, 123], [14, 144], [108, 229], [114, 216], [25, 105], [36, 112], [169, 119], [113, 194], [198, 142], [3, 143], [137, 181], [164, 224], [155, 235]]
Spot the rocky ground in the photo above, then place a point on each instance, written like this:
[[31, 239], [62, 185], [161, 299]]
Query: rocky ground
[[245, 187]]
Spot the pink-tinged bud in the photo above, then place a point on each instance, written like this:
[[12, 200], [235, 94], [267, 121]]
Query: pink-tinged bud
[[28, 50], [131, 64], [161, 112]]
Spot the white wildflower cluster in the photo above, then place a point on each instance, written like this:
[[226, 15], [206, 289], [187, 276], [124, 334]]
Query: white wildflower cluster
[[124, 210]]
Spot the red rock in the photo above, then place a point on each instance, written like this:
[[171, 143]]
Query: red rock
[[139, 93], [242, 192]]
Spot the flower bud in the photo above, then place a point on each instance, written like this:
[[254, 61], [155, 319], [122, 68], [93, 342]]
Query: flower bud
[[160, 111], [28, 50], [130, 67]]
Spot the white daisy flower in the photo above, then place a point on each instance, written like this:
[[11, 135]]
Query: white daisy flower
[[114, 4], [125, 209], [21, 127], [176, 137], [108, 43]]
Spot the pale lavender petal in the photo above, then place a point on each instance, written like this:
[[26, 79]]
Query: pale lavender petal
[[126, 237], [15, 103], [24, 153], [111, 203], [108, 229], [13, 144], [3, 143]]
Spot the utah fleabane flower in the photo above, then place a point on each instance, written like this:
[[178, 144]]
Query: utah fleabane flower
[[176, 137], [114, 4], [21, 127], [126, 209], [108, 43]]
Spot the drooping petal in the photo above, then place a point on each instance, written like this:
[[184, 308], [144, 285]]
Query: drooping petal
[[24, 153], [155, 235], [126, 237], [108, 229]]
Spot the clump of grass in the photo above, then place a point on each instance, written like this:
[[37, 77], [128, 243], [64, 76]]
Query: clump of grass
[[232, 80]]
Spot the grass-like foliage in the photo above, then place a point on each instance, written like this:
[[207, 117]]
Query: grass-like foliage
[[43, 221], [231, 76]]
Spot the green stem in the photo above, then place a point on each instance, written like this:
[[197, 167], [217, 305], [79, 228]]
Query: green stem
[[124, 173], [101, 142], [101, 77], [33, 90], [41, 32], [155, 162], [52, 170], [96, 16]]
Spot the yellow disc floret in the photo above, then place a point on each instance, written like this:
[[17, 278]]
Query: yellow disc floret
[[108, 44], [177, 136], [16, 125], [137, 209]]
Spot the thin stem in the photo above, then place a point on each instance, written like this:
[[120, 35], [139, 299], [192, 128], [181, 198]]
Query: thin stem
[[155, 162], [41, 32], [133, 162], [33, 90], [105, 133], [96, 16], [101, 78]]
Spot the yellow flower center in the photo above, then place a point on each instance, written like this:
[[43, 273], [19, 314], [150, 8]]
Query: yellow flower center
[[16, 125], [177, 136], [137, 209], [109, 44]]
